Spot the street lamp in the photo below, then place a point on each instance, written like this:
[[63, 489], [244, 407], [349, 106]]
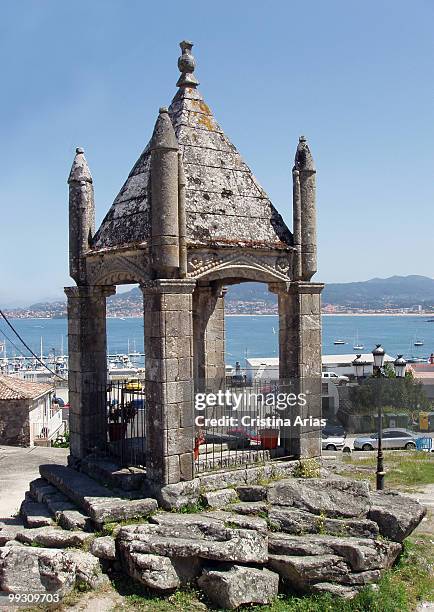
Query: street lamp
[[400, 365], [378, 354], [359, 366]]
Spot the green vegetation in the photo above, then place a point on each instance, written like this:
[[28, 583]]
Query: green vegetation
[[307, 468], [405, 470], [192, 508], [405, 395], [62, 441]]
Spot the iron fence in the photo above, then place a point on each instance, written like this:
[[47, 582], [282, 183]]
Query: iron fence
[[250, 420], [118, 422]]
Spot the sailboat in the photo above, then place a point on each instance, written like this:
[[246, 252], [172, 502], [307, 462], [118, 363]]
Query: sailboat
[[418, 343], [339, 342], [357, 345]]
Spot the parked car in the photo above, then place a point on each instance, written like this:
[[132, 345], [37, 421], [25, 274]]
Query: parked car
[[332, 443], [334, 377], [133, 385], [392, 438]]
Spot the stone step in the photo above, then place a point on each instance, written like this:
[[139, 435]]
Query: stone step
[[97, 501], [53, 537], [109, 473], [35, 514], [59, 505]]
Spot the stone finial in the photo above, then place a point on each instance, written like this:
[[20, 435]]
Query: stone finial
[[79, 170], [164, 136], [186, 65], [303, 156]]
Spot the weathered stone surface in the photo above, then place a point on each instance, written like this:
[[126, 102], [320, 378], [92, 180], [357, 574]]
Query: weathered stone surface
[[250, 507], [35, 514], [51, 537], [39, 488], [218, 517], [334, 589], [176, 496], [206, 540], [360, 554], [74, 519], [251, 493], [292, 520], [334, 498], [219, 499], [103, 548], [233, 586], [87, 569], [241, 521], [97, 501], [396, 515], [152, 571], [41, 570], [8, 532], [115, 509], [301, 571]]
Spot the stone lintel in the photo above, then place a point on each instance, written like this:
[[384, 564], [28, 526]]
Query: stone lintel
[[294, 287], [90, 291], [168, 285]]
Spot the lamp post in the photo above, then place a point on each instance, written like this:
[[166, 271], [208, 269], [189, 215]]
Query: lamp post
[[400, 365], [378, 372]]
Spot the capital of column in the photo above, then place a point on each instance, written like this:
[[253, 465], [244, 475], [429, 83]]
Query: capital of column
[[296, 287], [90, 291], [168, 285]]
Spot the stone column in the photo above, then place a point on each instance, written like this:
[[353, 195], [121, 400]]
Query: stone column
[[169, 380], [209, 335], [300, 362], [87, 377]]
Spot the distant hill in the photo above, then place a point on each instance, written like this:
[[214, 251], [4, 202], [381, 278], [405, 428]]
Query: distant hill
[[377, 293]]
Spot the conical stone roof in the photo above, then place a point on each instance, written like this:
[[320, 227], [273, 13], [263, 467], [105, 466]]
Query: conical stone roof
[[225, 205]]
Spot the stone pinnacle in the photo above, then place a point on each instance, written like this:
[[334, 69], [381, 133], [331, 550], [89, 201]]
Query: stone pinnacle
[[303, 156], [79, 169], [186, 65]]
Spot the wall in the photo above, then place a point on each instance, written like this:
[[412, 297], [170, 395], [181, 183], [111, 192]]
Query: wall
[[14, 422]]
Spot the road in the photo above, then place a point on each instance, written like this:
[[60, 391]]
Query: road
[[18, 466]]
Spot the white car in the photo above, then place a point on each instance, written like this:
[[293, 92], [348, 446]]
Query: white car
[[332, 443], [334, 377]]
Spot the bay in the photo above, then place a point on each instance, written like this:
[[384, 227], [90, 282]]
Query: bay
[[252, 336]]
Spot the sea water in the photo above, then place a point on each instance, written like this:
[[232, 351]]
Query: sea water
[[251, 336]]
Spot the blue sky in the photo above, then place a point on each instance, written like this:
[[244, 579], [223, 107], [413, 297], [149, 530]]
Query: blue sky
[[355, 77]]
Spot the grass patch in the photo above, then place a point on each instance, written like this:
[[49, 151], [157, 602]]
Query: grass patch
[[404, 470], [192, 508]]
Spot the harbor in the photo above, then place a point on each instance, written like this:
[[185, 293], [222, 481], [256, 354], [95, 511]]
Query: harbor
[[246, 337]]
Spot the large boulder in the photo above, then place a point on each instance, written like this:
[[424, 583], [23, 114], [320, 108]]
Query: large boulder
[[45, 570], [153, 571], [301, 571], [202, 538], [332, 498], [360, 554], [233, 586], [219, 499], [52, 537], [395, 514], [298, 522], [251, 493], [215, 517], [178, 495], [103, 548]]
